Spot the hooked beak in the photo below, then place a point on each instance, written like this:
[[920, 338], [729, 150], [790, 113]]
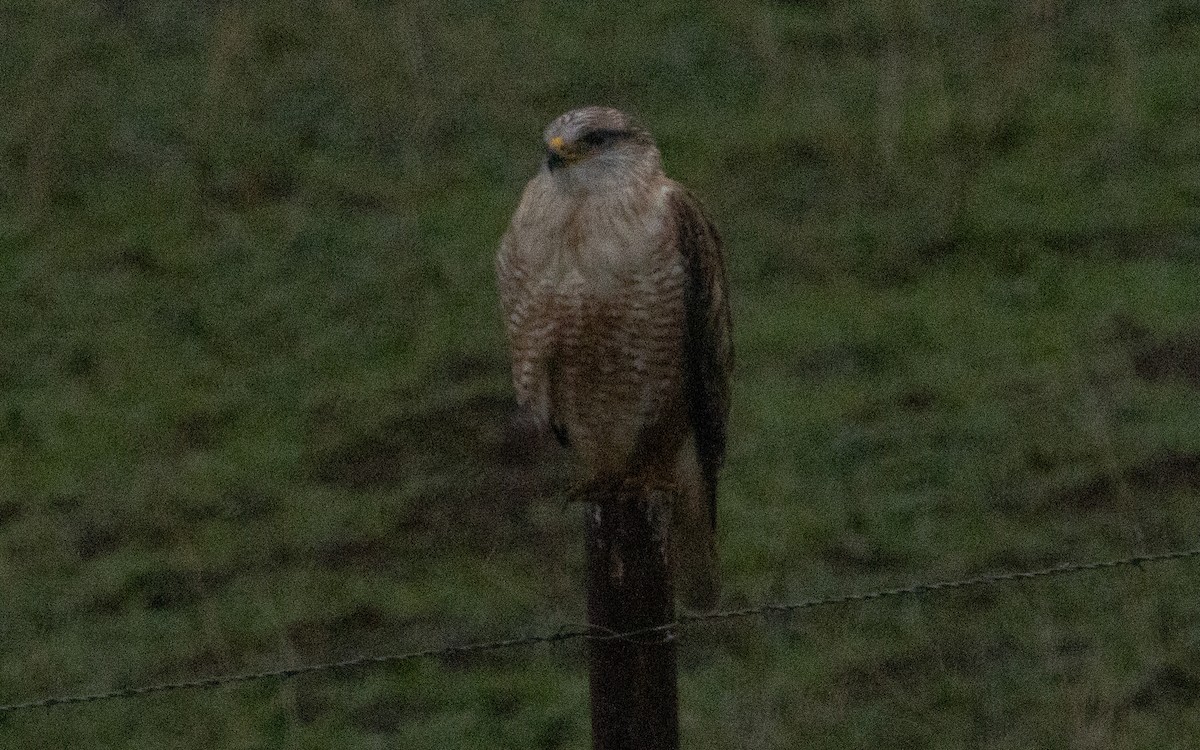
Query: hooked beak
[[558, 155]]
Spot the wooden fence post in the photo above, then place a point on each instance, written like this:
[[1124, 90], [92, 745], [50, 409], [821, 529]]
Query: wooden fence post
[[633, 680]]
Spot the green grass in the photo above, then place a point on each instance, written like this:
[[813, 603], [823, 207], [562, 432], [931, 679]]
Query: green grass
[[253, 387]]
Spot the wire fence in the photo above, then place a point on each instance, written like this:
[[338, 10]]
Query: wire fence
[[569, 633]]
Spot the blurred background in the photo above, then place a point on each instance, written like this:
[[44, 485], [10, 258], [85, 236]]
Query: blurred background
[[253, 383]]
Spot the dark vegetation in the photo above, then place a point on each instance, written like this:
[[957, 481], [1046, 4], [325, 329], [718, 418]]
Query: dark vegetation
[[254, 401]]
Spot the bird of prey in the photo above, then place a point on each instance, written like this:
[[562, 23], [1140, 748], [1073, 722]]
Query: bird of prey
[[612, 279]]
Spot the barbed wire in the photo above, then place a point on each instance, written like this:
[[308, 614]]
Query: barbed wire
[[591, 632]]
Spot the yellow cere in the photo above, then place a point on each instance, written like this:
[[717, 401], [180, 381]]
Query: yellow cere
[[556, 143]]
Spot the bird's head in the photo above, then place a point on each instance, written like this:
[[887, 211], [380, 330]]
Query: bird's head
[[597, 144]]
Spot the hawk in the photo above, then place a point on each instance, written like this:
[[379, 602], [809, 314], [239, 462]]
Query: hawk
[[612, 279]]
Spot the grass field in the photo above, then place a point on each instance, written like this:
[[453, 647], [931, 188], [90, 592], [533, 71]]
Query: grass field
[[253, 386]]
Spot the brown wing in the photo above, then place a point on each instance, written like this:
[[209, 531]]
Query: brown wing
[[530, 330], [708, 344]]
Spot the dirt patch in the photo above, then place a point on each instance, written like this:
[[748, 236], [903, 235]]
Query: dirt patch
[[918, 400], [1157, 358], [10, 512], [364, 629], [361, 553], [93, 540], [1176, 357], [1166, 471], [866, 680], [200, 430], [163, 589], [1170, 470], [1166, 685], [383, 715]]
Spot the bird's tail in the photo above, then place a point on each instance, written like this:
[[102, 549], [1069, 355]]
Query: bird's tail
[[694, 538]]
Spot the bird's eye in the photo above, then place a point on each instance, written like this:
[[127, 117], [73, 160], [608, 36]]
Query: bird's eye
[[601, 138]]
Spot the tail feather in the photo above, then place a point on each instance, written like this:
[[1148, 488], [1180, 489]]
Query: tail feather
[[694, 539]]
